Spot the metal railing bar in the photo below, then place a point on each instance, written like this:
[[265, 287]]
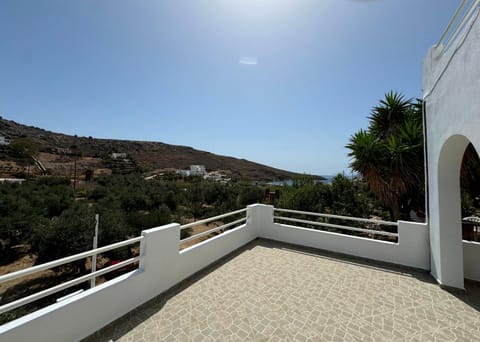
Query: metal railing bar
[[460, 26], [452, 21], [213, 230], [62, 261], [358, 219], [63, 286], [188, 225], [323, 224]]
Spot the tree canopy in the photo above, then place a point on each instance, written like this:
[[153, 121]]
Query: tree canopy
[[389, 154]]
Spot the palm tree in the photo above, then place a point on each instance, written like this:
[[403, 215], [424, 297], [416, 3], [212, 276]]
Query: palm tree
[[389, 154]]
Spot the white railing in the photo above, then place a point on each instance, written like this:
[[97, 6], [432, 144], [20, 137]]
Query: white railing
[[464, 12], [337, 226], [213, 230], [59, 262]]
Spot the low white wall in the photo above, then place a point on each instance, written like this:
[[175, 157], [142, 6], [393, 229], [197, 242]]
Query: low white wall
[[411, 250], [83, 314], [471, 259], [79, 316]]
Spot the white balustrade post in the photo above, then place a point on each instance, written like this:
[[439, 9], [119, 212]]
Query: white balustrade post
[[260, 219], [414, 244], [160, 257]]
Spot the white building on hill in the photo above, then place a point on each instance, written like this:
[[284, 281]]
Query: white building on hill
[[4, 141], [197, 170], [119, 155]]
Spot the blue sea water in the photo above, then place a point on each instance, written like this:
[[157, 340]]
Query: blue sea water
[[289, 182]]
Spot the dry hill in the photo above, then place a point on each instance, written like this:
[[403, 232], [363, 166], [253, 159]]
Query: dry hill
[[57, 153]]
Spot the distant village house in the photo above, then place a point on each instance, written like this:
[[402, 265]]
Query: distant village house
[[184, 173], [118, 156], [216, 176], [12, 180], [4, 141], [197, 170]]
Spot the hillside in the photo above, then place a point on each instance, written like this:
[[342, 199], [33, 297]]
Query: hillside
[[58, 152]]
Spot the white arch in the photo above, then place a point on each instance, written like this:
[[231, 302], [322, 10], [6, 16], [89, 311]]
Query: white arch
[[451, 270]]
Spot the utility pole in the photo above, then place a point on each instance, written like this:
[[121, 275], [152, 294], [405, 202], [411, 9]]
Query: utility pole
[[74, 175], [94, 257]]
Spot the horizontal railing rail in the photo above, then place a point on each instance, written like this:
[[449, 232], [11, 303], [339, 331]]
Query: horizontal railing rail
[[215, 229], [59, 262], [457, 23], [337, 226], [210, 219], [349, 218], [66, 260], [52, 290]]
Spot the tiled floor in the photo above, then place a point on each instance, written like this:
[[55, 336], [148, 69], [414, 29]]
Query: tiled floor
[[270, 292]]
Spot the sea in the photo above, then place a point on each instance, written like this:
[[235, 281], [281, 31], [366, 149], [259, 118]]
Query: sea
[[289, 182]]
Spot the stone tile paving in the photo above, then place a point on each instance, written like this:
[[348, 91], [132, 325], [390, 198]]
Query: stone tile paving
[[269, 291]]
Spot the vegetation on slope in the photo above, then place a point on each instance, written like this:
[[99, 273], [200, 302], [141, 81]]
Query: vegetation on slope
[[143, 156]]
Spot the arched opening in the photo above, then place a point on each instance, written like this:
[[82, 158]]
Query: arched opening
[[470, 204], [449, 264]]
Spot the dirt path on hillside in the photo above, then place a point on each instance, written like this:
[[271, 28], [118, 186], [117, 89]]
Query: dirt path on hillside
[[21, 263]]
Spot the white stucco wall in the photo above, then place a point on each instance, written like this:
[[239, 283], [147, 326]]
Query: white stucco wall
[[471, 260], [451, 91]]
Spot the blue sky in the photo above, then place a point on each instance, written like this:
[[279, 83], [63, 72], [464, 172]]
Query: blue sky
[[280, 82]]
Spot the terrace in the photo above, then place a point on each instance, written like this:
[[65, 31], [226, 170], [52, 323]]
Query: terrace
[[258, 278], [275, 274]]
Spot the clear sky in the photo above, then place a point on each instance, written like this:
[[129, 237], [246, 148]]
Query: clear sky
[[280, 82]]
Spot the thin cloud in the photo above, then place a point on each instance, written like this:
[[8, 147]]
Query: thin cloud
[[248, 61]]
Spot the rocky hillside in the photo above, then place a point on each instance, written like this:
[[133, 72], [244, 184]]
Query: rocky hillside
[[57, 153]]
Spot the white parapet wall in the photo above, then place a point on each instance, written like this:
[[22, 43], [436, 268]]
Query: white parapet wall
[[471, 257], [411, 250], [163, 265]]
